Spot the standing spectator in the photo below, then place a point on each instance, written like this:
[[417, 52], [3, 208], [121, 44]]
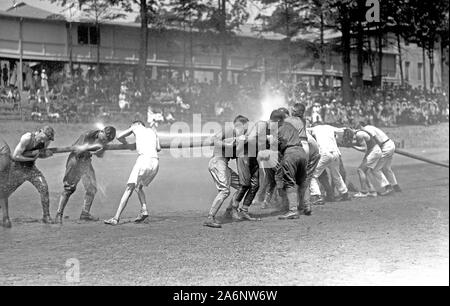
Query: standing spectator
[[34, 86], [13, 78], [44, 82], [5, 75]]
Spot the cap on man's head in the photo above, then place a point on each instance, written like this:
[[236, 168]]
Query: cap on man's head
[[285, 111], [138, 122], [298, 110], [110, 133], [241, 119], [277, 116], [49, 132]]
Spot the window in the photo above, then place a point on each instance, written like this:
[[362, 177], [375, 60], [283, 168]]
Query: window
[[87, 35], [83, 35], [407, 64], [419, 71]]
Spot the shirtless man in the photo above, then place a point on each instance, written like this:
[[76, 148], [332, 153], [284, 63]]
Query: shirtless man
[[32, 146]]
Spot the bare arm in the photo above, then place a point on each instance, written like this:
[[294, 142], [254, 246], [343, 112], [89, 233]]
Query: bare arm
[[221, 142], [360, 144], [158, 144], [18, 154], [121, 137]]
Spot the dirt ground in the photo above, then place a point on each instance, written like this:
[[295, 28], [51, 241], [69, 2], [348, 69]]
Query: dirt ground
[[398, 240]]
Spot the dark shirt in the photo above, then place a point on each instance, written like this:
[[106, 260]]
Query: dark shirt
[[300, 125], [88, 138], [288, 137], [5, 73]]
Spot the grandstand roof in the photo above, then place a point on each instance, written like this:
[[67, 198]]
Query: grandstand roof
[[22, 9]]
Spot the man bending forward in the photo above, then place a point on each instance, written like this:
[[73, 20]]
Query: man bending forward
[[144, 171]]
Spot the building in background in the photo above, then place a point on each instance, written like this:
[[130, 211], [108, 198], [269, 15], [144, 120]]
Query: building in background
[[32, 38]]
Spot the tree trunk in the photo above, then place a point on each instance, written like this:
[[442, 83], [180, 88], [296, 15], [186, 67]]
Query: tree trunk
[[322, 49], [184, 50], [70, 46], [431, 59], [424, 73], [191, 53], [371, 58], [400, 59], [97, 27], [288, 38], [346, 55], [360, 53], [360, 45], [224, 63], [380, 56], [143, 45]]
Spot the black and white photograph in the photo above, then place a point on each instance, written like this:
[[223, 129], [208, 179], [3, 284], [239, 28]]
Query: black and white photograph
[[224, 149]]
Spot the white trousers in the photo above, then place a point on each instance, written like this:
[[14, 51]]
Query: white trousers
[[330, 161], [385, 162]]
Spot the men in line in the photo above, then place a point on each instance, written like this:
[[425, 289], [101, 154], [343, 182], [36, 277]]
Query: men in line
[[387, 147], [367, 144], [268, 158], [248, 166], [144, 171], [224, 177], [313, 161], [5, 163], [325, 136], [79, 167], [32, 145], [293, 163]]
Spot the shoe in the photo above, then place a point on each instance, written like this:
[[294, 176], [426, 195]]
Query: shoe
[[306, 210], [227, 214], [290, 215], [112, 221], [397, 188], [58, 218], [6, 223], [141, 217], [345, 197], [246, 216], [235, 215], [361, 195], [317, 200], [47, 220], [85, 216], [211, 222], [372, 194], [387, 192], [351, 187]]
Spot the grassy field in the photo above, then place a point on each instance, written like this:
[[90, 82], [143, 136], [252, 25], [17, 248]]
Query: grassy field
[[402, 239]]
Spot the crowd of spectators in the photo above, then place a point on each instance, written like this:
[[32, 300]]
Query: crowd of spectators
[[391, 106], [88, 95]]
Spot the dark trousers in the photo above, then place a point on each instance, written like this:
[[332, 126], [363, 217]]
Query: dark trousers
[[27, 172], [294, 167], [311, 167], [248, 171], [80, 169], [5, 164]]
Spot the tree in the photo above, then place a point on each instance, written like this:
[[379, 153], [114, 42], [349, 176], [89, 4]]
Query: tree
[[99, 11], [429, 24], [225, 17], [286, 20], [190, 14], [317, 14], [149, 14]]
